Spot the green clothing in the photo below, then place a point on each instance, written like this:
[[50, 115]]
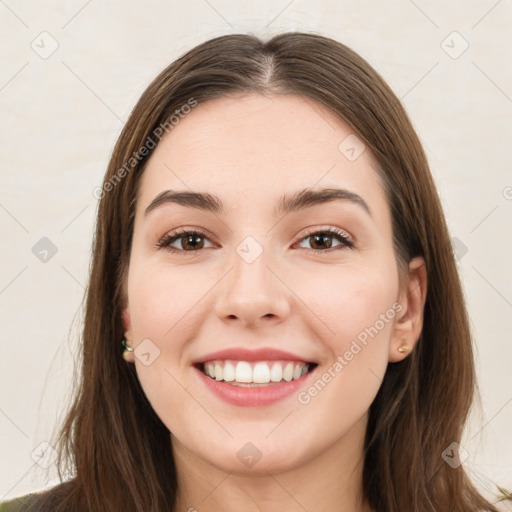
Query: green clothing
[[16, 504]]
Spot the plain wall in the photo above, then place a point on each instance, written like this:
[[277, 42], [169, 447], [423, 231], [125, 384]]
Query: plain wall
[[62, 113]]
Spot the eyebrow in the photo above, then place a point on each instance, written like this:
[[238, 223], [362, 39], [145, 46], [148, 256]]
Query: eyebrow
[[297, 201]]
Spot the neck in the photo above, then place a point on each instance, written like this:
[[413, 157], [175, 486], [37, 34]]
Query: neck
[[331, 480]]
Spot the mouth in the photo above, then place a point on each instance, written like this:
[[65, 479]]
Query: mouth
[[253, 378], [243, 391], [253, 374]]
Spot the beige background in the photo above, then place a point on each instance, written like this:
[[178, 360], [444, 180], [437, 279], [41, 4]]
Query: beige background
[[62, 112]]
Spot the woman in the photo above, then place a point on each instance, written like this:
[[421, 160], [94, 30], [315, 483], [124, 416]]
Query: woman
[[274, 318]]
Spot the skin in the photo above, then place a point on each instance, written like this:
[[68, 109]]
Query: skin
[[249, 151]]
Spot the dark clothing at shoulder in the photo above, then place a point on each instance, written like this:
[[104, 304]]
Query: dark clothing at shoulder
[[49, 500]]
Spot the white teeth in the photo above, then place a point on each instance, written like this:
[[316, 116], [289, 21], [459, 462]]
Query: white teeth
[[229, 372], [276, 373], [261, 372], [243, 372], [288, 372]]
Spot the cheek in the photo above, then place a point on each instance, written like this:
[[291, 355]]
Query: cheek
[[358, 308], [161, 303], [361, 310], [160, 297], [351, 300]]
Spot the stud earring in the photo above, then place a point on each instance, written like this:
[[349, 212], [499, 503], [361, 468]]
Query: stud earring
[[126, 347], [126, 350], [403, 348]]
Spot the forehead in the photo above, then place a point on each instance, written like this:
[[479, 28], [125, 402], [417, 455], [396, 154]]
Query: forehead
[[259, 147]]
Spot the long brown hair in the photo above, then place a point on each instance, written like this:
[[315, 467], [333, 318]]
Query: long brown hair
[[113, 443]]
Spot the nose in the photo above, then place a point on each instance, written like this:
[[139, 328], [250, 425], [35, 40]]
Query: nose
[[253, 294]]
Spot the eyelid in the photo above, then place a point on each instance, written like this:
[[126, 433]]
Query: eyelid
[[182, 232], [333, 230], [347, 240]]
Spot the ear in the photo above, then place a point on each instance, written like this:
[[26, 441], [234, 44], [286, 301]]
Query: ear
[[409, 322], [127, 327]]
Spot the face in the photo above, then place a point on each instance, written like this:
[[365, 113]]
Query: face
[[312, 288]]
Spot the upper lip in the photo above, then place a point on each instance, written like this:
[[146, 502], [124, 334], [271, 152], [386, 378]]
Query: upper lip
[[244, 354]]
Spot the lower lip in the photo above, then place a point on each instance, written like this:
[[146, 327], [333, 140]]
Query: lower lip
[[253, 397]]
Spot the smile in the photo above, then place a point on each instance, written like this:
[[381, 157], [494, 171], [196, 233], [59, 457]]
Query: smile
[[253, 377], [255, 373]]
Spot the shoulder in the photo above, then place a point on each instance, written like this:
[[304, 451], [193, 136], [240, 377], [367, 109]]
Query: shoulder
[[50, 499], [17, 504]]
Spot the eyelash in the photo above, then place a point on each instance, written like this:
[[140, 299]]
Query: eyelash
[[167, 240]]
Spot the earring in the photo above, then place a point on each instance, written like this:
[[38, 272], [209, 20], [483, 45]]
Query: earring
[[126, 350], [403, 348], [126, 347]]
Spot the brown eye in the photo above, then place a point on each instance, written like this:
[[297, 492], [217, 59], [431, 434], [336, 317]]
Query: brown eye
[[320, 242], [191, 242], [323, 240], [183, 241]]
